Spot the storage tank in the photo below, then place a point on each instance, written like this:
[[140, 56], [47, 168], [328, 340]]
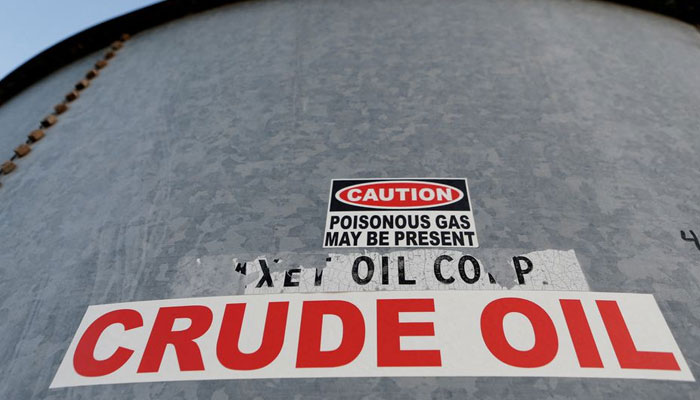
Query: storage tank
[[367, 199]]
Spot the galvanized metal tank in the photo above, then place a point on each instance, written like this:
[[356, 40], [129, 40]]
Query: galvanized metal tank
[[215, 137]]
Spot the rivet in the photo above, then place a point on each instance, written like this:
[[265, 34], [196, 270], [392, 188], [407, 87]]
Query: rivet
[[7, 167], [125, 37], [117, 45], [109, 55], [82, 84], [22, 150], [72, 95], [92, 73], [36, 135], [60, 108], [100, 64], [49, 120]]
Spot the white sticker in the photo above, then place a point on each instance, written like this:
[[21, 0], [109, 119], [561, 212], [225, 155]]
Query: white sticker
[[419, 269], [409, 212], [435, 333]]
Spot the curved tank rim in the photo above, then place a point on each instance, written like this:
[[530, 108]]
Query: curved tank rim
[[98, 37], [101, 35]]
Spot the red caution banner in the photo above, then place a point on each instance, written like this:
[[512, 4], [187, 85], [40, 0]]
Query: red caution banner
[[407, 212], [421, 333]]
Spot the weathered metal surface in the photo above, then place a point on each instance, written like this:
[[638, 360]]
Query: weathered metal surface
[[218, 134]]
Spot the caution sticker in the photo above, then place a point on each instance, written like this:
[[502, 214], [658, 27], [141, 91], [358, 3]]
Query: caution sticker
[[415, 212]]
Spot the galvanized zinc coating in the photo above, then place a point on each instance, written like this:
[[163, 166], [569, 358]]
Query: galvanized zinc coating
[[217, 136]]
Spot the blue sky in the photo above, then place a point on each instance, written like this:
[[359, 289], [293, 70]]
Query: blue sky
[[27, 27]]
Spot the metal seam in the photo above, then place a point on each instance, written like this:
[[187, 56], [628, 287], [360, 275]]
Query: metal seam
[[50, 120]]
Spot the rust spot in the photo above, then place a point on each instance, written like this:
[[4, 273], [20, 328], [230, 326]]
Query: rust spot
[[92, 73], [125, 37], [100, 64], [82, 84], [72, 95], [117, 45], [109, 55], [36, 135], [60, 108], [7, 167], [22, 150], [49, 120]]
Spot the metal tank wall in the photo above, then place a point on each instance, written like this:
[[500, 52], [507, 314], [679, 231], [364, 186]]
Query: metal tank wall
[[217, 135]]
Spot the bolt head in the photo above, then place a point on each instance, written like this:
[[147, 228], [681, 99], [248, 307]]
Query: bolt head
[[49, 121], [82, 84], [92, 74], [60, 108], [7, 167], [72, 95], [22, 150], [36, 135]]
